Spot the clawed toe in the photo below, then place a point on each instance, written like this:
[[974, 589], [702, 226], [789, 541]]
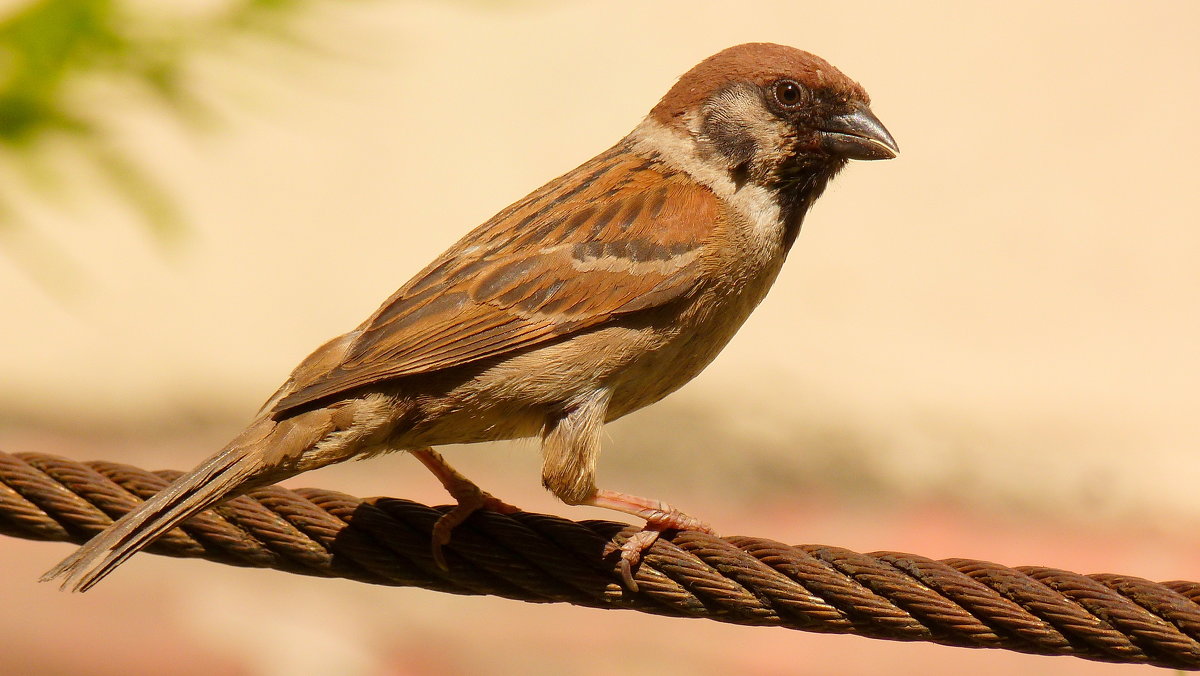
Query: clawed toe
[[469, 502], [636, 545], [631, 553], [470, 499]]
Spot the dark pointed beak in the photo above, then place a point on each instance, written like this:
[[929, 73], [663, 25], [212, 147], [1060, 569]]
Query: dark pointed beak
[[858, 135]]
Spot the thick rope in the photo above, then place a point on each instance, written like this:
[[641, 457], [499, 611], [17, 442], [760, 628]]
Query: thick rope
[[543, 559]]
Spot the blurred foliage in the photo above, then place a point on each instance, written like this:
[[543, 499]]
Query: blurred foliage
[[50, 50]]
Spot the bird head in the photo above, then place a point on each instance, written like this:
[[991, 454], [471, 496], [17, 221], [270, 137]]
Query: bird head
[[775, 115]]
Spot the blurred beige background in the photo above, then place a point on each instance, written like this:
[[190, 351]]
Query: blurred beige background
[[987, 347]]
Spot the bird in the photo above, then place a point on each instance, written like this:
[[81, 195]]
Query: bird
[[596, 295]]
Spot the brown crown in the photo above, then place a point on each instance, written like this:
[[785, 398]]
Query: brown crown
[[759, 63]]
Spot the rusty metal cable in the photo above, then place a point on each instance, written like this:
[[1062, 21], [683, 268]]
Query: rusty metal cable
[[543, 559]]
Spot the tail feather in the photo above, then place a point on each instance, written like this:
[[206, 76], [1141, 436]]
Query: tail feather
[[217, 479], [267, 451]]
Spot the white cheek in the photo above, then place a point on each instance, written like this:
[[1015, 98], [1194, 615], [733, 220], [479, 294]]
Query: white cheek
[[762, 213]]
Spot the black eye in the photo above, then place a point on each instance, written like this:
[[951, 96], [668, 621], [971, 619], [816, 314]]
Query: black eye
[[788, 93]]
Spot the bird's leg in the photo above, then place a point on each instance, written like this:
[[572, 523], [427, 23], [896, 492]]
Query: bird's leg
[[570, 447], [659, 517], [469, 497]]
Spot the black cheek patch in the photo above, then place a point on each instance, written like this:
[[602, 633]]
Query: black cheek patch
[[731, 139]]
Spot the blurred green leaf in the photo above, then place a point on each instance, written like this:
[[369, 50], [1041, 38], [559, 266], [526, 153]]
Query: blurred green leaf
[[49, 49]]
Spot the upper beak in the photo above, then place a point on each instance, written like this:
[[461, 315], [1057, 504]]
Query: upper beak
[[858, 135]]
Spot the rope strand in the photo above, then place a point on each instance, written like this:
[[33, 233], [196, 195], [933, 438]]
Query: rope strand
[[547, 559]]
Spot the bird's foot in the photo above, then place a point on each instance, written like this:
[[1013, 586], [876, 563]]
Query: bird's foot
[[659, 517], [470, 498]]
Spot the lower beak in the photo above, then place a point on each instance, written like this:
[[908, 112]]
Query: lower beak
[[858, 135]]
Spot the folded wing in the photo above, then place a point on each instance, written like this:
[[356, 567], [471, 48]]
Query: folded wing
[[616, 236]]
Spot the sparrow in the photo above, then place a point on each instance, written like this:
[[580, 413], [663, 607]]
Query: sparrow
[[599, 293]]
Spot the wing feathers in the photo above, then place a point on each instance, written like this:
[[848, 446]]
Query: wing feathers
[[619, 234]]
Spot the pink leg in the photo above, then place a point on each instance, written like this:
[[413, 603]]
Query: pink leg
[[659, 516], [469, 497]]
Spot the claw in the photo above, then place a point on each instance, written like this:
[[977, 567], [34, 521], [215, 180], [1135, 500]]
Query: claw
[[631, 553], [470, 499], [659, 517]]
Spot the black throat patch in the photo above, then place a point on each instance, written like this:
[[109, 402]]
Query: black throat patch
[[798, 184]]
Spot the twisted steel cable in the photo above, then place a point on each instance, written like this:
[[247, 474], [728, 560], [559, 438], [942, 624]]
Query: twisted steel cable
[[544, 559]]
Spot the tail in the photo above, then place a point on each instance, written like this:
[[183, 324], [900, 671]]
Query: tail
[[210, 483], [267, 451]]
